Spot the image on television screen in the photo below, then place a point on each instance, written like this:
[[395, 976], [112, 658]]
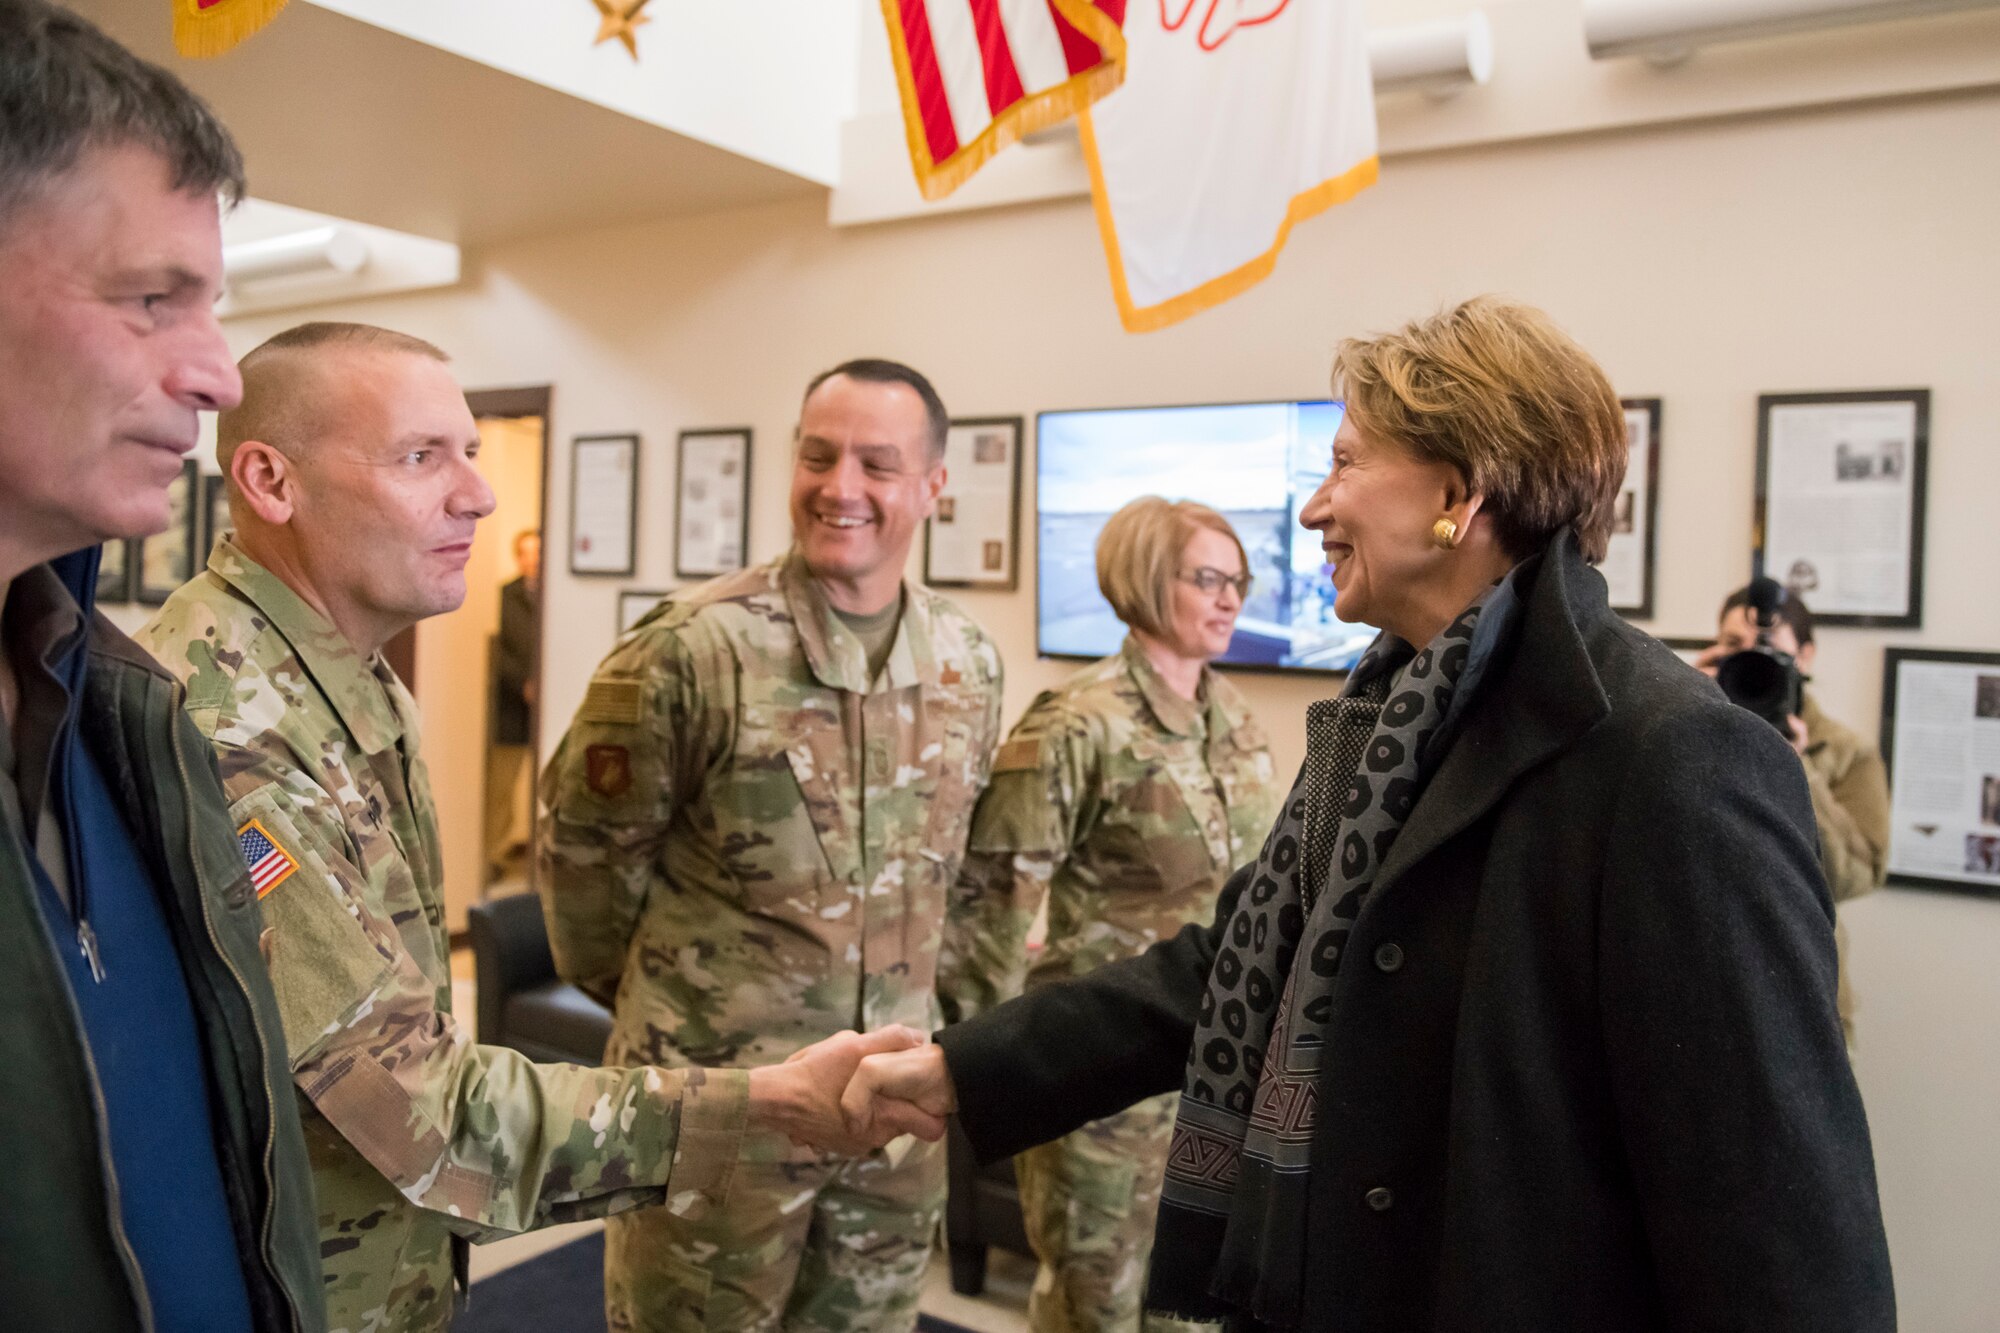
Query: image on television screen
[[1257, 463]]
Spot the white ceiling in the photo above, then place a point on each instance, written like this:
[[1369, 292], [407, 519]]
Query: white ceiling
[[345, 118]]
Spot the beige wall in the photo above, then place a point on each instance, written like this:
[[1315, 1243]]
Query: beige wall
[[1703, 263]]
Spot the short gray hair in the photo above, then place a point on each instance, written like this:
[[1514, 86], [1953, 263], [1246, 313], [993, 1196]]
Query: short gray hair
[[66, 88]]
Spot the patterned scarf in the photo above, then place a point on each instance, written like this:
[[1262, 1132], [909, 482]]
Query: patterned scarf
[[1231, 1234]]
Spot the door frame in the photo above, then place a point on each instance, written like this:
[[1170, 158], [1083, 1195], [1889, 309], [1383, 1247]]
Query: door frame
[[525, 401]]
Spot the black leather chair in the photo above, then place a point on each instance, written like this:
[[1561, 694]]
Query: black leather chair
[[982, 1209], [522, 1003]]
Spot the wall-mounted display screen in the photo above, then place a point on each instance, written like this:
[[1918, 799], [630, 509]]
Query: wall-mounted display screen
[[1257, 463]]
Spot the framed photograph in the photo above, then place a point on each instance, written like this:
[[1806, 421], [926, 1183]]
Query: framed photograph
[[1687, 648], [972, 538], [1840, 502], [214, 511], [166, 559], [1628, 564], [114, 573], [603, 503], [712, 502], [1941, 741], [634, 603]]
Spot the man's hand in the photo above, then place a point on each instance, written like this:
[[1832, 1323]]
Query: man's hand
[[801, 1097], [1708, 659], [901, 1092]]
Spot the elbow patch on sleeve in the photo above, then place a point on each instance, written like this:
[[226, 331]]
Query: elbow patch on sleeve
[[324, 965]]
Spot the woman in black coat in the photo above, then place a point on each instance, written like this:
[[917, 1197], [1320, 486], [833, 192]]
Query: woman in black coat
[[1524, 1017]]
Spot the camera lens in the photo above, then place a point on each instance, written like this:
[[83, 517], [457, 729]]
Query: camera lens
[[1758, 682]]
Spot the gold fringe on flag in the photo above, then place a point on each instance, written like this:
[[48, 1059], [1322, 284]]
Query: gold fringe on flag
[[204, 28]]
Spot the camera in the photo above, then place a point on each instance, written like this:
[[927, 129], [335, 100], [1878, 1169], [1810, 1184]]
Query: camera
[[1763, 679]]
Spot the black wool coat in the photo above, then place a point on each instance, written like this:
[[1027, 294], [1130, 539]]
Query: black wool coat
[[1584, 1070]]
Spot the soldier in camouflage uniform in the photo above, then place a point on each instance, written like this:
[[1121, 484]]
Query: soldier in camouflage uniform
[[420, 1140], [1127, 796], [753, 827]]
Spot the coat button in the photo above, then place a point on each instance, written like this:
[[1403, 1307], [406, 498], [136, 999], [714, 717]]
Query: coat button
[[1379, 1199], [1389, 957]]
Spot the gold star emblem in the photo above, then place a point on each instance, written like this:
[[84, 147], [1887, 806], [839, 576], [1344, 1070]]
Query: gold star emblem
[[621, 19]]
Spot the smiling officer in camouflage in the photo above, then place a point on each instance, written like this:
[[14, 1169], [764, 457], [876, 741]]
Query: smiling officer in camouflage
[[755, 823]]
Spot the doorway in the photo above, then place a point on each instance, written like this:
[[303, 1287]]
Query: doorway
[[476, 673]]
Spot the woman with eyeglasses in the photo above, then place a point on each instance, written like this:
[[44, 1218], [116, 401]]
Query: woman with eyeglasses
[[1127, 796]]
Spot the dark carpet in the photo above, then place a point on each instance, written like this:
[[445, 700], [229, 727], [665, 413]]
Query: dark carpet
[[563, 1292]]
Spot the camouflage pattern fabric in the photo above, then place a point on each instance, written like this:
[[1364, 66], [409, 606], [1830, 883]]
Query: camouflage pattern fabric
[[1850, 799], [749, 846], [1122, 802], [419, 1139], [1128, 806], [808, 1244], [1088, 1201]]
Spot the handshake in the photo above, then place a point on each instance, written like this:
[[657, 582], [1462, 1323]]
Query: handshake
[[854, 1092]]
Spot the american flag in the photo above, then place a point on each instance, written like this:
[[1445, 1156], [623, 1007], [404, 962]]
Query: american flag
[[269, 863], [977, 75]]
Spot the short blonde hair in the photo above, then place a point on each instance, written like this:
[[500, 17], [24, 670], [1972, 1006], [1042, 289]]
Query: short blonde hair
[[1503, 395], [1139, 554]]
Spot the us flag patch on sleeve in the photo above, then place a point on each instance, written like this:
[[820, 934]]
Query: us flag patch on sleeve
[[270, 865]]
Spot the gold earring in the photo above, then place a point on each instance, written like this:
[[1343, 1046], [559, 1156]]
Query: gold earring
[[1445, 533]]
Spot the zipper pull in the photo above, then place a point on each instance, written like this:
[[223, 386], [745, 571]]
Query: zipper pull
[[86, 939]]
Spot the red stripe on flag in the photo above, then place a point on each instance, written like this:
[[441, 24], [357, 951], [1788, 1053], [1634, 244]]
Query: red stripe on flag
[[1003, 80], [939, 133], [1078, 50]]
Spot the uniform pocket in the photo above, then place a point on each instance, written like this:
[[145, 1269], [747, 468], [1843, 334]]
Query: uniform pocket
[[664, 1294], [324, 964]]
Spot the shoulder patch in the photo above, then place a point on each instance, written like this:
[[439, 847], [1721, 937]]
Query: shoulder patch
[[612, 701], [270, 864], [1015, 755]]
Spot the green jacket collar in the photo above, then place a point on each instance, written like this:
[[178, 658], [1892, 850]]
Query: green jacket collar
[[834, 653], [360, 691], [1216, 710]]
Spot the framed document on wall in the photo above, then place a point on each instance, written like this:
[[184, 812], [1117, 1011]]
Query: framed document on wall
[[1840, 502], [712, 502], [603, 503], [114, 573], [1941, 741], [634, 603], [1628, 565], [972, 539], [166, 559], [215, 511], [1687, 648]]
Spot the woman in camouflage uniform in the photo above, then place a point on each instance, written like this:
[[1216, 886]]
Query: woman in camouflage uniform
[[1127, 795]]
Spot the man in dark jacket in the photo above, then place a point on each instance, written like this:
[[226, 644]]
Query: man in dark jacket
[[156, 1175]]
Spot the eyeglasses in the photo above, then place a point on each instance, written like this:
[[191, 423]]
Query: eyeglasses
[[1213, 581]]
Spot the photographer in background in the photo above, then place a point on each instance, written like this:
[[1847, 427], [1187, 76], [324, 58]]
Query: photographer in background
[[1850, 787]]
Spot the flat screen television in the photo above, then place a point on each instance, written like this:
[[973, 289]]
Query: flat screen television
[[1257, 463]]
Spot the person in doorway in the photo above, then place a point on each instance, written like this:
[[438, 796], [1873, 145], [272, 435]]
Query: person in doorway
[[753, 828], [1126, 796], [156, 1178], [354, 493], [1523, 1017], [511, 756], [1844, 772]]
